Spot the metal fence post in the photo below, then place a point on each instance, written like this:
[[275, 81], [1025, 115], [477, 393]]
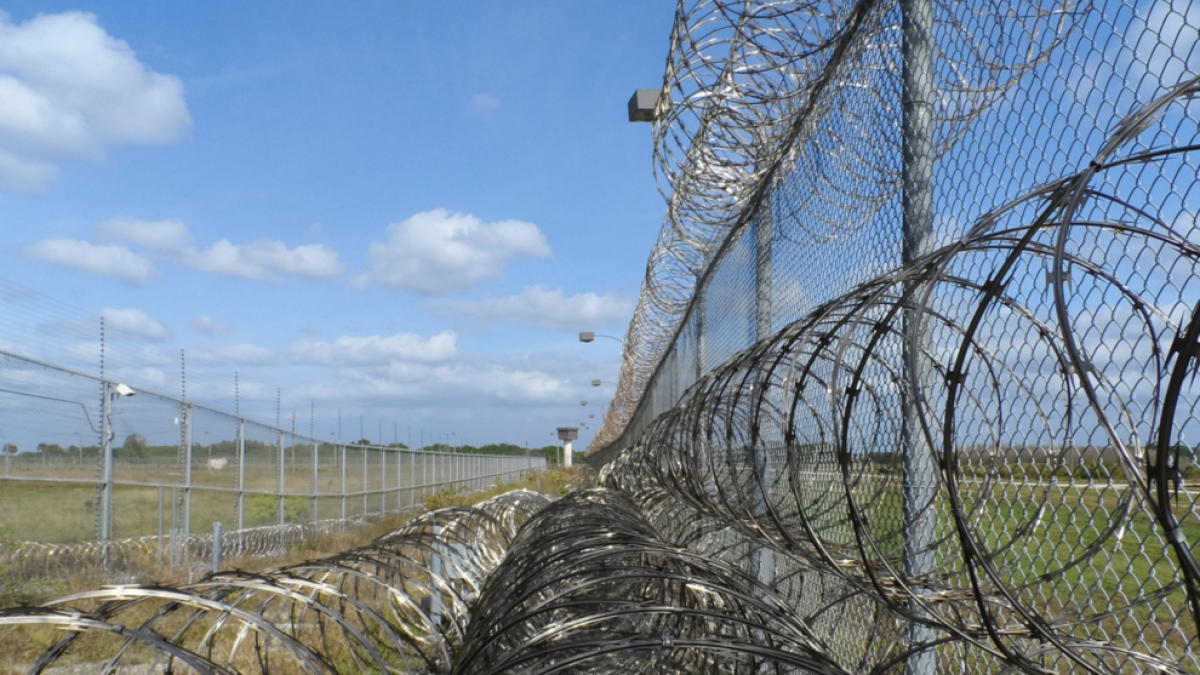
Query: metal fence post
[[917, 203], [435, 570], [241, 478], [763, 273], [218, 534], [701, 326], [316, 485], [282, 481], [343, 449], [366, 459], [185, 422], [159, 547], [104, 523], [382, 480]]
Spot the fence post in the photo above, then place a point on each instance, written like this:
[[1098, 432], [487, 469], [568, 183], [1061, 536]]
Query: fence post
[[382, 480], [343, 449], [366, 459], [105, 527], [701, 326], [241, 479], [282, 480], [919, 486], [176, 553], [316, 481], [216, 547], [185, 422], [159, 547], [435, 570], [763, 453]]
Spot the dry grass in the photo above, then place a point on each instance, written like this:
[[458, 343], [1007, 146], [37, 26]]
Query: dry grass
[[23, 645], [31, 587]]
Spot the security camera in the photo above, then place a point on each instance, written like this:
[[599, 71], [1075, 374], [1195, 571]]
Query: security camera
[[124, 390]]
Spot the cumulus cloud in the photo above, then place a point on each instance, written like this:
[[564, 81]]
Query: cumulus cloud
[[263, 260], [438, 252], [549, 309], [164, 237], [376, 349], [205, 325], [483, 103], [133, 323], [108, 260], [455, 383], [70, 89]]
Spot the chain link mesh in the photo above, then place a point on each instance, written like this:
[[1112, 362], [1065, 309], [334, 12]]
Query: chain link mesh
[[178, 469], [917, 343]]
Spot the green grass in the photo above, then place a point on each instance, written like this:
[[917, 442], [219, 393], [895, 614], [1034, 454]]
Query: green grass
[[65, 512]]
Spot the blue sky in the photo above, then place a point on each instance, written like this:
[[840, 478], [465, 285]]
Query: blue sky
[[403, 210]]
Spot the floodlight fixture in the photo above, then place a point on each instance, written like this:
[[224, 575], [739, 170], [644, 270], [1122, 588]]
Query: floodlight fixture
[[643, 105], [590, 336]]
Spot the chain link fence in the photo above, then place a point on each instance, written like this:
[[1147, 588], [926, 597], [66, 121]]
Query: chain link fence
[[780, 148], [94, 469], [918, 342]]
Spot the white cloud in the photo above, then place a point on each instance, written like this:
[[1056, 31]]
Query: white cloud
[[437, 252], [549, 309], [69, 90], [205, 325], [376, 349], [478, 383], [483, 103], [263, 260], [107, 260], [133, 323], [164, 237]]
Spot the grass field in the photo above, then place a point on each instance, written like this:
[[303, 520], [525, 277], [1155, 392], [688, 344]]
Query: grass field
[[23, 645], [20, 588], [56, 512]]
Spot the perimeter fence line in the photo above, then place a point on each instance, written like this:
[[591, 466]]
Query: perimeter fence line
[[803, 150], [917, 344], [93, 467]]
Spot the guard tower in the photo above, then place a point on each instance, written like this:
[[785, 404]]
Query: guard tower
[[566, 435]]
